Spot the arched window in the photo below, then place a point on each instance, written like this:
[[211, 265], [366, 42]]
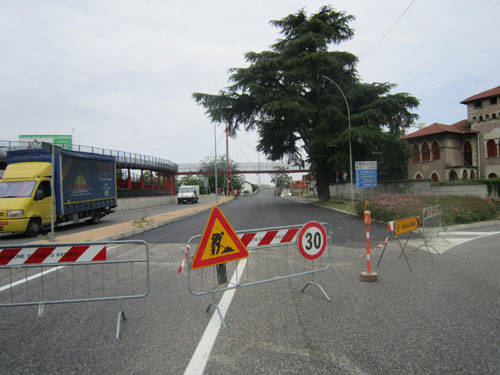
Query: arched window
[[464, 175], [426, 155], [453, 175], [491, 148], [418, 176], [435, 151], [467, 154], [434, 177], [492, 175], [472, 175], [416, 153]]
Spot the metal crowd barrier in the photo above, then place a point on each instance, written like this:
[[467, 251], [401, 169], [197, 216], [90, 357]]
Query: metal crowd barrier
[[43, 274], [431, 226], [273, 256]]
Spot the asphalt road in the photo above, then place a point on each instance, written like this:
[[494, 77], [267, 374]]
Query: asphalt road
[[442, 318]]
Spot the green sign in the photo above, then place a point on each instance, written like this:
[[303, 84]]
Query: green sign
[[61, 140]]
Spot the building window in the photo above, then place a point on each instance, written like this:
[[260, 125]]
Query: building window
[[491, 148], [416, 153], [418, 176], [453, 175], [494, 115], [467, 154], [472, 175], [435, 151], [426, 155], [492, 175], [493, 100], [435, 177], [477, 104], [464, 175]]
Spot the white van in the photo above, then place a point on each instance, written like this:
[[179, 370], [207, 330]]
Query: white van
[[188, 193]]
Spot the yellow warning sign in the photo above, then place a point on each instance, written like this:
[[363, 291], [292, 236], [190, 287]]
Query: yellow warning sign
[[219, 243], [405, 225]]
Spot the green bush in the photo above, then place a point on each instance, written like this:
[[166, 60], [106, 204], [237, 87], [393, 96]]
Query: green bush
[[456, 209]]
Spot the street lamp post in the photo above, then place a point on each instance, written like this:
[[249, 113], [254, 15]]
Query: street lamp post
[[215, 159], [349, 122]]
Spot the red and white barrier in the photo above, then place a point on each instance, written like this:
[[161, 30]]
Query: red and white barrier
[[269, 238], [52, 254]]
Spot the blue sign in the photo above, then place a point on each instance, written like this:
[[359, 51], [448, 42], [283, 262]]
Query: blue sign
[[366, 174]]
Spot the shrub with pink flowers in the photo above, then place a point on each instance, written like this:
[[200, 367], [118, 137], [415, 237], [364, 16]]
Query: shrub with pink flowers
[[456, 209]]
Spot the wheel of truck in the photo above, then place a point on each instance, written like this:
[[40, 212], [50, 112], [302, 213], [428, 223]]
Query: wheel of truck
[[34, 227], [96, 218]]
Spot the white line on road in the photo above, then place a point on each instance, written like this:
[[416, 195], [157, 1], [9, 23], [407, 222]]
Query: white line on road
[[202, 352], [469, 233], [32, 277]]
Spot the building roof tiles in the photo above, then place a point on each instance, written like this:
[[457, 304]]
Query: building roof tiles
[[461, 127], [483, 95]]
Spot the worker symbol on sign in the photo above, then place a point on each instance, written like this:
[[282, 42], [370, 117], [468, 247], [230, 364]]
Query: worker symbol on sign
[[216, 243]]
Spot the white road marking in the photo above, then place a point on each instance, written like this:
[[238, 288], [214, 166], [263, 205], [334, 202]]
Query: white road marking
[[32, 277], [200, 357], [448, 240]]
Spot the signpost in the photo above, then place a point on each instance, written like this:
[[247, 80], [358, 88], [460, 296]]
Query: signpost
[[366, 174]]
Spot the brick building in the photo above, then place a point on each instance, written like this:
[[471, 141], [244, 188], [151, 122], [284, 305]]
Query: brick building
[[465, 150]]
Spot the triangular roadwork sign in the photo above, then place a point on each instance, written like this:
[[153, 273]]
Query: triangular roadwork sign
[[219, 243]]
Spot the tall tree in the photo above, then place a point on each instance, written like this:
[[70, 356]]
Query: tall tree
[[296, 92]]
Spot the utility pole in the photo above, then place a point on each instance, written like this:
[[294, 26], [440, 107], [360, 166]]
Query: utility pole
[[215, 160], [227, 160]]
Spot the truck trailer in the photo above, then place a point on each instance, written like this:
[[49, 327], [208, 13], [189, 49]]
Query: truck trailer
[[84, 187]]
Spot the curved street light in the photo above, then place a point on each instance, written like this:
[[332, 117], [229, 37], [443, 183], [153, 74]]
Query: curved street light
[[349, 122]]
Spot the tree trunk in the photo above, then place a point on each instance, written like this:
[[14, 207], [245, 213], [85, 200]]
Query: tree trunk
[[322, 181]]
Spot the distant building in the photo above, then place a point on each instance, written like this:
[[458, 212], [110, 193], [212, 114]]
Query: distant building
[[465, 150]]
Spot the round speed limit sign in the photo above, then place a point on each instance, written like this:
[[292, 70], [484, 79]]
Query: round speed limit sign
[[312, 240]]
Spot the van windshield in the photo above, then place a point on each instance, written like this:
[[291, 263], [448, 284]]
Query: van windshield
[[16, 189], [185, 189]]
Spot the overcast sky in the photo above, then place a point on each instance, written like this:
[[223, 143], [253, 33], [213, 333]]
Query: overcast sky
[[119, 74]]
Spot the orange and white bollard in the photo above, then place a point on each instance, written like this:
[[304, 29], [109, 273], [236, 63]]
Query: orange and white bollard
[[368, 276]]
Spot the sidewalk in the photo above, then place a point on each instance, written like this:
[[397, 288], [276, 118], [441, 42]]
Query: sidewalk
[[130, 228]]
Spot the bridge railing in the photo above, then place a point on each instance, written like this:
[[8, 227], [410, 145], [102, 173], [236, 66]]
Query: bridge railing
[[122, 157]]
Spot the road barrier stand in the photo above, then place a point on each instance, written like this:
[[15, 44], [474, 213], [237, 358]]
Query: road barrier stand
[[431, 227], [368, 275], [57, 273], [267, 255], [398, 228]]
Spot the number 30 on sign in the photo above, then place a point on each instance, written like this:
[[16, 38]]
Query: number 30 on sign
[[312, 240]]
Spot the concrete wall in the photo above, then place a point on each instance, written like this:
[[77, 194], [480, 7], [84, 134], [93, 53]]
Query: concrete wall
[[343, 191], [125, 204]]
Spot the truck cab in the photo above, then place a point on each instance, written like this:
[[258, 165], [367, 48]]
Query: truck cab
[[25, 198]]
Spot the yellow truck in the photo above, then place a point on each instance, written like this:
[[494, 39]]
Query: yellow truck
[[84, 189]]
